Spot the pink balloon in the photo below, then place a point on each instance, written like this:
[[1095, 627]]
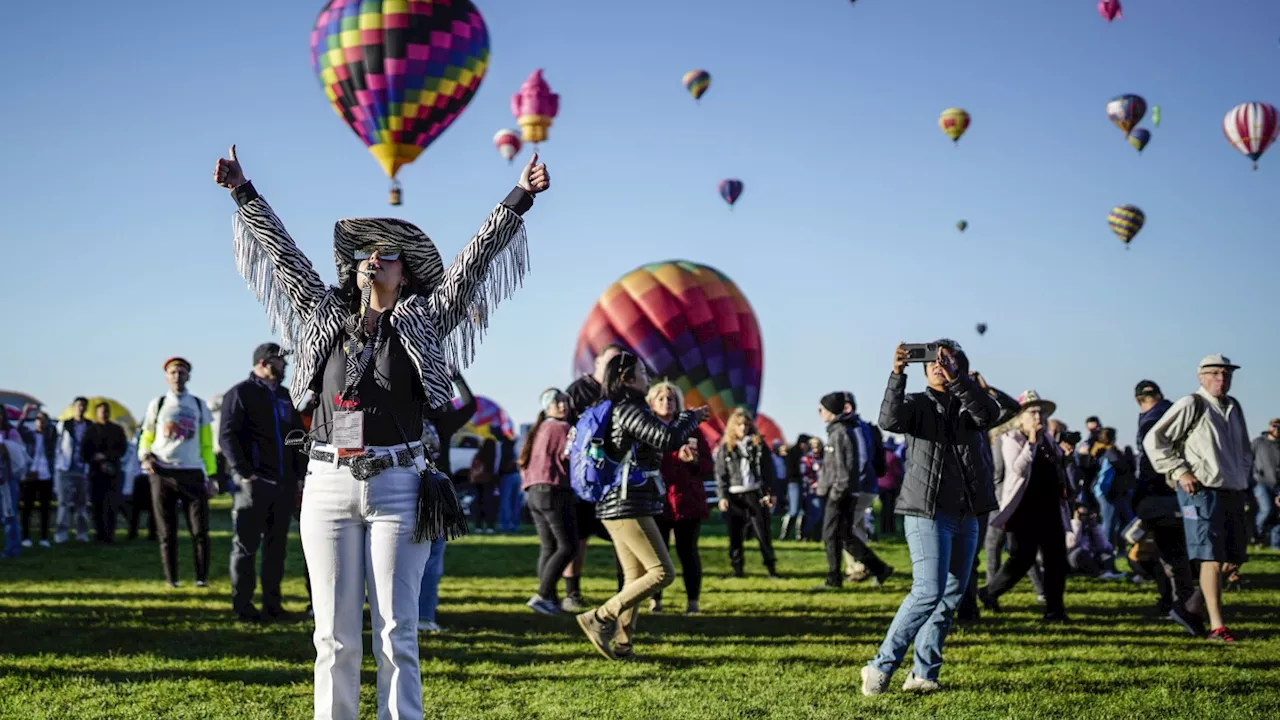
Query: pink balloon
[[535, 98], [1109, 10]]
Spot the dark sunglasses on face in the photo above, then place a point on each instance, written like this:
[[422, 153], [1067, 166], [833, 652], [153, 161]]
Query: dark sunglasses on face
[[383, 253]]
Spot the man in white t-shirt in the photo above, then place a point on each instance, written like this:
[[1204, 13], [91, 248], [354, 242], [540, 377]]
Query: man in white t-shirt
[[176, 451]]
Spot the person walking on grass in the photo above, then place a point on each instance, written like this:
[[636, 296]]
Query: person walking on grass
[[544, 467], [635, 441], [744, 475], [944, 490], [1202, 446], [176, 451]]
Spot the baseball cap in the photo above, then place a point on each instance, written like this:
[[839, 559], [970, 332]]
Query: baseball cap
[[1147, 387], [176, 359], [1217, 360], [267, 351]]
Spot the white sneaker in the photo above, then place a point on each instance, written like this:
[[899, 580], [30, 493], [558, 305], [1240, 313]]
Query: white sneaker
[[45, 544], [429, 626], [26, 543], [915, 683], [874, 682]]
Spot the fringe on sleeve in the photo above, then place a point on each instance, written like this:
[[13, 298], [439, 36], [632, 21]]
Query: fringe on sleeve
[[255, 265], [504, 274]]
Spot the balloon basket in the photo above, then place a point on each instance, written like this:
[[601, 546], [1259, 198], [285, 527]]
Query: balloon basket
[[394, 198]]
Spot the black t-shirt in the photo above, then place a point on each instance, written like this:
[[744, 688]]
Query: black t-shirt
[[1040, 501], [390, 394]]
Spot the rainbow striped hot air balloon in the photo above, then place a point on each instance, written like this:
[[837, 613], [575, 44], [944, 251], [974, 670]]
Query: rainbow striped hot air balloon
[[954, 122], [399, 71], [1126, 111], [697, 82], [691, 325], [1251, 128], [1126, 221]]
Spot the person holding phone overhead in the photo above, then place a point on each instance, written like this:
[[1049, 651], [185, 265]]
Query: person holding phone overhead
[[945, 489], [377, 347]]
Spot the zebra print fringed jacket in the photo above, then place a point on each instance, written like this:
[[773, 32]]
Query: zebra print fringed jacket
[[436, 329]]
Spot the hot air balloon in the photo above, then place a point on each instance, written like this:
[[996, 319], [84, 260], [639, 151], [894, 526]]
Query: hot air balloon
[[962, 225], [981, 328], [1251, 128], [697, 82], [1126, 221], [399, 73], [508, 143], [730, 190], [120, 415], [534, 106], [691, 325], [1126, 111], [954, 122], [1155, 116], [488, 413], [1109, 10], [1139, 139], [769, 430]]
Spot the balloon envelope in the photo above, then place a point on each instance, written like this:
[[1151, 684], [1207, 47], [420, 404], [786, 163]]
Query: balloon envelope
[[730, 190], [1109, 9], [954, 122], [18, 399], [1251, 128], [120, 415], [962, 225], [1126, 111], [1139, 138], [690, 324], [981, 328], [399, 72], [769, 430], [1126, 221], [488, 413], [697, 82], [507, 142]]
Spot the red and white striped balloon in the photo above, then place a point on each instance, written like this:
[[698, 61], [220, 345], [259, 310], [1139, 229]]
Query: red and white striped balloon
[[508, 143], [1251, 128]]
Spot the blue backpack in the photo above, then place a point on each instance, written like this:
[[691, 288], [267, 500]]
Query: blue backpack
[[591, 472]]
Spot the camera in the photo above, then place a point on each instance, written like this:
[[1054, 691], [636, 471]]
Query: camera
[[1070, 438], [921, 352]]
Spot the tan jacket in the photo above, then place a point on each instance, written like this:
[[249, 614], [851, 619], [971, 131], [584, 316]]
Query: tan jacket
[[1217, 451]]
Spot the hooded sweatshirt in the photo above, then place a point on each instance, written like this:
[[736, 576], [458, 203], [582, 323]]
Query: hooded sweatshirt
[[1149, 481]]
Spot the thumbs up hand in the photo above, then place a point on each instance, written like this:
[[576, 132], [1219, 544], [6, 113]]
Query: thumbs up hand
[[534, 178], [227, 173]]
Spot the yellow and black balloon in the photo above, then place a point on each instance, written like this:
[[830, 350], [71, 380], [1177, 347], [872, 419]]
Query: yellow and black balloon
[[1126, 221]]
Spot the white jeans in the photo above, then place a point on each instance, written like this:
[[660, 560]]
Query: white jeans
[[356, 534]]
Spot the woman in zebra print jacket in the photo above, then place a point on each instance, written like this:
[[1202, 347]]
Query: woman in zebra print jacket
[[376, 349]]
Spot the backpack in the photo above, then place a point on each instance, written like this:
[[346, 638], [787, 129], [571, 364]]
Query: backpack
[[592, 473], [199, 406]]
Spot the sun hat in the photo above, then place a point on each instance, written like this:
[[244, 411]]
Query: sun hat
[[1217, 360], [1031, 399]]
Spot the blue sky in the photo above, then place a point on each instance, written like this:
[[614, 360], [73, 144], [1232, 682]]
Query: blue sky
[[844, 239]]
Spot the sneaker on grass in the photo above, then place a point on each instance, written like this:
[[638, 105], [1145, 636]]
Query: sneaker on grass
[[874, 682]]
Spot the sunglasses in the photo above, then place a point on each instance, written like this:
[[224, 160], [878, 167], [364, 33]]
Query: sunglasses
[[384, 253]]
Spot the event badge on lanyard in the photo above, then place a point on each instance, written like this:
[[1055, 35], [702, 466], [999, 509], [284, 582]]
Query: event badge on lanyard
[[348, 419], [348, 433]]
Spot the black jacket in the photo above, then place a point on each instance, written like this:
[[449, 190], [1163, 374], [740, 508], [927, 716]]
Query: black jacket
[[839, 470], [255, 421], [448, 421], [632, 423], [729, 468], [934, 424], [108, 440], [1149, 482]]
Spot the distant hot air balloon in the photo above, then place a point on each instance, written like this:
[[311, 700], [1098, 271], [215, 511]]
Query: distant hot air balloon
[[1155, 116], [769, 430], [1109, 10], [962, 225], [1126, 221], [399, 76], [488, 414], [1126, 111], [1139, 138], [508, 143], [697, 82], [954, 122], [730, 190], [1251, 128], [534, 106], [981, 328], [691, 325]]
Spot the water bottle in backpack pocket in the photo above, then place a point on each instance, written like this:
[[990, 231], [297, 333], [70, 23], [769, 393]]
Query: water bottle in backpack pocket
[[591, 472]]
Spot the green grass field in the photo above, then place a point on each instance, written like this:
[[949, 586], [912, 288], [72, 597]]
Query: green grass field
[[91, 632]]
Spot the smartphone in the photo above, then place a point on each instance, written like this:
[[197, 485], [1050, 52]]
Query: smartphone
[[921, 352]]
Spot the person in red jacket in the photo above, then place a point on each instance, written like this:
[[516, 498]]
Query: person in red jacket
[[683, 471]]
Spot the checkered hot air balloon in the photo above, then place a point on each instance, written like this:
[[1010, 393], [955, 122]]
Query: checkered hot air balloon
[[1251, 128], [1126, 221], [399, 71], [691, 325], [697, 82], [954, 122], [1126, 111]]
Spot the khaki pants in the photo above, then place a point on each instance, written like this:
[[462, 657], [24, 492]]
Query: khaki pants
[[646, 568]]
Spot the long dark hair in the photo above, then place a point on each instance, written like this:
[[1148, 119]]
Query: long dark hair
[[619, 373], [526, 450], [796, 454]]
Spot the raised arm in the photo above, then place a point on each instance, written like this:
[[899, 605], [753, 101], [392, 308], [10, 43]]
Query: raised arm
[[645, 428], [898, 412], [487, 271], [980, 406], [281, 277]]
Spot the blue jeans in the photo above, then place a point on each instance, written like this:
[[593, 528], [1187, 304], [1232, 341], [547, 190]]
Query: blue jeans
[[794, 508], [1113, 517], [942, 551], [1265, 498], [429, 596], [509, 502]]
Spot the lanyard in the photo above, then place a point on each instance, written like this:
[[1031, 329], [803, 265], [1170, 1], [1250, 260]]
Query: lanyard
[[357, 365]]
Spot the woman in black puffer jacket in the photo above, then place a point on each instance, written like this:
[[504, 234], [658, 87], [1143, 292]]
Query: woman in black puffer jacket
[[629, 510]]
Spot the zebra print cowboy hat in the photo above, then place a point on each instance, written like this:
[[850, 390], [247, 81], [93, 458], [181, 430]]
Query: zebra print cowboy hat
[[421, 259]]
